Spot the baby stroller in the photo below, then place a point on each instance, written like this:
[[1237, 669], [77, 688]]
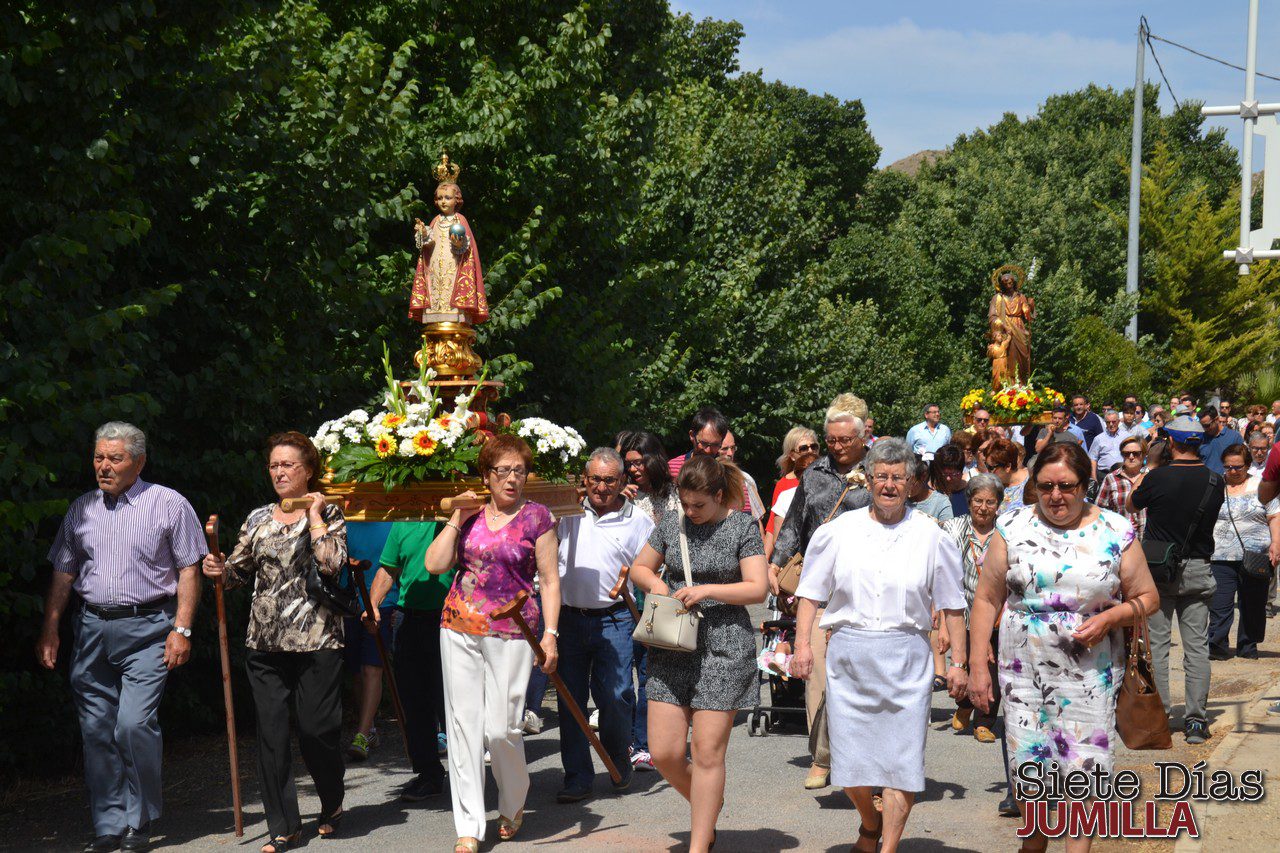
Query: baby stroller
[[786, 693]]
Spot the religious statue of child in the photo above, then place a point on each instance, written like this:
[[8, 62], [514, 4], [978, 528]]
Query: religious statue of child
[[448, 284], [998, 352], [1010, 314]]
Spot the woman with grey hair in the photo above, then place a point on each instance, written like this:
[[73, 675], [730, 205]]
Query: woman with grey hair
[[972, 534], [882, 571], [833, 484]]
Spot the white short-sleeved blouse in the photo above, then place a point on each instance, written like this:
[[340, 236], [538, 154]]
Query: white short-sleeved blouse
[[882, 577]]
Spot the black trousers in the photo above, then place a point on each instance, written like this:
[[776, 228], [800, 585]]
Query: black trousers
[[420, 679], [1251, 594], [987, 719], [311, 682]]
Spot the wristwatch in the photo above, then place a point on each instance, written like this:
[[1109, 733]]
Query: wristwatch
[[186, 632]]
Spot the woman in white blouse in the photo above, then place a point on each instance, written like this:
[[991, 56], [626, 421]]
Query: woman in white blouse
[[882, 571]]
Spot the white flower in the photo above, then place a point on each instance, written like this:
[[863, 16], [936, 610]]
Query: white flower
[[375, 430], [359, 416], [352, 434], [408, 429], [462, 401], [330, 443], [437, 432], [406, 448]]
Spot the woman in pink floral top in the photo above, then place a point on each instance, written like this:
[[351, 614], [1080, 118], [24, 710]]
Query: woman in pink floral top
[[498, 550]]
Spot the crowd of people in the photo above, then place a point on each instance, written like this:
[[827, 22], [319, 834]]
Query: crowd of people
[[998, 563]]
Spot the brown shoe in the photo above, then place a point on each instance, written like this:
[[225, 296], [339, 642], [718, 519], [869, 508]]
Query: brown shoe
[[982, 734], [960, 720]]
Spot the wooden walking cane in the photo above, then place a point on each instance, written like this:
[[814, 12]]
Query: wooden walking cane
[[211, 534], [622, 589], [357, 568], [512, 611]]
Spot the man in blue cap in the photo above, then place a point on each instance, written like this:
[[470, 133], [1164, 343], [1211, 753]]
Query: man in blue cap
[[1182, 500]]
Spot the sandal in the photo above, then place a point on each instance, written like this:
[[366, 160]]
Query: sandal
[[333, 822], [939, 683], [508, 827], [872, 835], [466, 845], [280, 844]]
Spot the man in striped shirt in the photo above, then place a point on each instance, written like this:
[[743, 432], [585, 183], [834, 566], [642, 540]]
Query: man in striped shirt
[[130, 550]]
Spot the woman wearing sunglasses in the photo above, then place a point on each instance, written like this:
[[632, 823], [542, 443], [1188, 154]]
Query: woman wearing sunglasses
[[1117, 485], [1061, 568], [799, 449]]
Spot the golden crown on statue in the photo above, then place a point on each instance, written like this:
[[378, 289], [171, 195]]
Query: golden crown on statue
[[446, 171]]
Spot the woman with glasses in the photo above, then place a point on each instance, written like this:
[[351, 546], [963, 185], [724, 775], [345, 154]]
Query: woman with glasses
[[881, 572], [1120, 483], [1158, 420], [1004, 459], [294, 643], [498, 549], [1243, 522], [1061, 568], [799, 450]]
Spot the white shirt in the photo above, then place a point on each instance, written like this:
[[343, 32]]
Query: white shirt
[[594, 548], [783, 503], [882, 577]]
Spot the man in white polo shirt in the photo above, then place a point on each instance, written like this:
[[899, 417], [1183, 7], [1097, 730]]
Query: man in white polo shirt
[[595, 630]]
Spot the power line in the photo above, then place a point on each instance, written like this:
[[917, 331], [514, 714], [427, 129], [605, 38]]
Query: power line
[[1167, 85], [1151, 35]]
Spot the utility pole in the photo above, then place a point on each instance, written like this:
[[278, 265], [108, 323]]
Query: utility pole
[[1135, 178], [1250, 110]]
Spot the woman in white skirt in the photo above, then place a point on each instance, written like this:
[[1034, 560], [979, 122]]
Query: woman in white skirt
[[882, 571]]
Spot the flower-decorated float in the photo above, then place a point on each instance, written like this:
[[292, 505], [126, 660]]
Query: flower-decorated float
[[398, 461]]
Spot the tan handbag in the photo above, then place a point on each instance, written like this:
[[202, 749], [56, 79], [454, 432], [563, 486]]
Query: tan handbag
[[789, 574], [666, 623], [1140, 717]]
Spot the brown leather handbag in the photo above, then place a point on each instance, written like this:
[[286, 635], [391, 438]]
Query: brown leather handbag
[[789, 574], [1140, 717]]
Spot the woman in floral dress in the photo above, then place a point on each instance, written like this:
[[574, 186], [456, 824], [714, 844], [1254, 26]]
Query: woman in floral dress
[[1060, 566]]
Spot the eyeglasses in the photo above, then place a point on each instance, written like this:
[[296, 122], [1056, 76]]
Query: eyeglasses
[[981, 420], [502, 472], [707, 446], [1064, 488], [1131, 454], [841, 441], [635, 463], [1234, 467], [806, 448], [283, 466], [896, 479], [600, 481]]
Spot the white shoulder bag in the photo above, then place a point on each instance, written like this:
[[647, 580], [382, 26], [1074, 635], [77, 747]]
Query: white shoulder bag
[[666, 623]]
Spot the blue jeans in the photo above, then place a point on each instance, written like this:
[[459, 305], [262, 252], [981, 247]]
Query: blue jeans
[[640, 719], [595, 654]]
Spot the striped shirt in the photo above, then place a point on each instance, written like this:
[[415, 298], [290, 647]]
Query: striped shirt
[[128, 549]]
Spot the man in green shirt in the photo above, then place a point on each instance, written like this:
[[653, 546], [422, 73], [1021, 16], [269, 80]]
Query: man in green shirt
[[417, 650]]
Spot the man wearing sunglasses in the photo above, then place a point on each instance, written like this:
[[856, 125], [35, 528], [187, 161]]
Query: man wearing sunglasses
[[981, 423], [595, 629]]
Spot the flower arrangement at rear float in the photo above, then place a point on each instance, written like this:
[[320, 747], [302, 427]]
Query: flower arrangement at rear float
[[1013, 403], [415, 436]]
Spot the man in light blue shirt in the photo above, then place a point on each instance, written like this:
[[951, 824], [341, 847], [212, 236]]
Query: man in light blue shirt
[[930, 434], [1105, 450]]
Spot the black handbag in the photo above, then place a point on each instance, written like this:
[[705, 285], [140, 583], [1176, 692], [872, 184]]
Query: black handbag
[[1253, 563], [1167, 559], [327, 591]]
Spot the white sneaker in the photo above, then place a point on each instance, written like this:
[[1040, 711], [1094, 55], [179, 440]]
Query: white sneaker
[[595, 719], [532, 723]]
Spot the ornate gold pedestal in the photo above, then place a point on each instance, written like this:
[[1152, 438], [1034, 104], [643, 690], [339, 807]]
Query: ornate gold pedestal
[[446, 349]]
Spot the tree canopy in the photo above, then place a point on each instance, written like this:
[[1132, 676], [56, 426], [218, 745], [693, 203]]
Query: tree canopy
[[208, 210]]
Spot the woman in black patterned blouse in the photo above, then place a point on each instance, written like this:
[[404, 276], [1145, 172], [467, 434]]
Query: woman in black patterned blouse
[[294, 643]]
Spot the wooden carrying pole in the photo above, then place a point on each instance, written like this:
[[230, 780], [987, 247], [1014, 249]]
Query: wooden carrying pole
[[211, 534], [291, 504], [512, 611], [622, 589], [357, 568]]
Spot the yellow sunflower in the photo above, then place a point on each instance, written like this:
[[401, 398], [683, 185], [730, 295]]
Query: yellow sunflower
[[385, 446], [423, 444]]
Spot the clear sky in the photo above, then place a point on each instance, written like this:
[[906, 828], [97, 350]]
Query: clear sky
[[928, 70]]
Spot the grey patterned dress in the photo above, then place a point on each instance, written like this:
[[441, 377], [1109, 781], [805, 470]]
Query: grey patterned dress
[[720, 675], [269, 553]]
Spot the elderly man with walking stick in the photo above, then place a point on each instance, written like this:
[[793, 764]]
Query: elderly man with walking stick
[[129, 549], [596, 629]]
